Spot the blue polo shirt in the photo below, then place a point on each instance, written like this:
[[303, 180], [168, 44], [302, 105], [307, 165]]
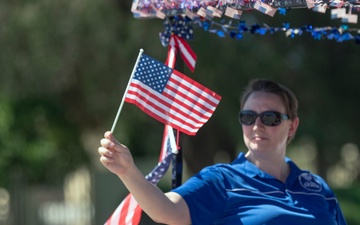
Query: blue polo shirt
[[241, 194]]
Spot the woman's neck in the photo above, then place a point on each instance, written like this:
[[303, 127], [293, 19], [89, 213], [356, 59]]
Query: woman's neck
[[274, 165]]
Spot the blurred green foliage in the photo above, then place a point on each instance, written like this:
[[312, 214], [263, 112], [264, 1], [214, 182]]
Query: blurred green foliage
[[37, 142]]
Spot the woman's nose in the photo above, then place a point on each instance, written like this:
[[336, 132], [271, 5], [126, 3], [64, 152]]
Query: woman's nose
[[258, 123]]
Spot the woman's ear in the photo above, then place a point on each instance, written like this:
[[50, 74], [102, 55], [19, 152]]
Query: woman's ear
[[293, 127]]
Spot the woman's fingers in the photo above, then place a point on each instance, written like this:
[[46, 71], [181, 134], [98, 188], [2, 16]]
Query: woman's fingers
[[110, 136], [105, 152], [106, 156], [106, 143], [113, 155], [110, 142], [105, 160]]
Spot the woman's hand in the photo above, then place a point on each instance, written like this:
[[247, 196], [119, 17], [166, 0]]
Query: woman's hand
[[169, 209], [115, 156]]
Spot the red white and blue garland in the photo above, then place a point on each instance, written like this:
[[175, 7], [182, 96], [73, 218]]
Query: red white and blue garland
[[181, 16]]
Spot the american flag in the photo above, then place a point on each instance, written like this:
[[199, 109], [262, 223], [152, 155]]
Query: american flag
[[171, 97], [165, 158], [129, 211]]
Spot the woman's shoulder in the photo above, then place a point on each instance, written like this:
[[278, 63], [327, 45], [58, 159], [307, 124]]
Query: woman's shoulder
[[310, 181]]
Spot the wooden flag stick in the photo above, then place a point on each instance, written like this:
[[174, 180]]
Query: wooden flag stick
[[126, 90]]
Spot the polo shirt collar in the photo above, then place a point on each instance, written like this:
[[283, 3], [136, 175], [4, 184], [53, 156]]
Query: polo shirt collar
[[252, 170]]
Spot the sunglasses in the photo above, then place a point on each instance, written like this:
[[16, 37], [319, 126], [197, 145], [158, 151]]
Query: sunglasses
[[268, 118]]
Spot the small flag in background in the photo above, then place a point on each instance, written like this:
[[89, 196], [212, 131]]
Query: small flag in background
[[129, 211], [265, 8], [171, 97]]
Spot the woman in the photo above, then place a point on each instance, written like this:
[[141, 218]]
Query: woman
[[260, 187]]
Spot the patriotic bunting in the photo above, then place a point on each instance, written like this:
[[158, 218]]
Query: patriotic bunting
[[204, 14]]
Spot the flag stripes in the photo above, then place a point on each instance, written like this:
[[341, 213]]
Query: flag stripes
[[193, 104], [166, 112], [181, 102], [127, 213], [187, 54]]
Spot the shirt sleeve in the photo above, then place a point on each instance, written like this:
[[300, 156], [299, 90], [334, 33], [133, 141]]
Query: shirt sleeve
[[340, 216], [205, 196]]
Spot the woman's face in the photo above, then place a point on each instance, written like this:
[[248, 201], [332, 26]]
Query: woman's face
[[261, 138]]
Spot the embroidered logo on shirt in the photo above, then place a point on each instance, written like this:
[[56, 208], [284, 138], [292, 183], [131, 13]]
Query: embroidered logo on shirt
[[309, 182]]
